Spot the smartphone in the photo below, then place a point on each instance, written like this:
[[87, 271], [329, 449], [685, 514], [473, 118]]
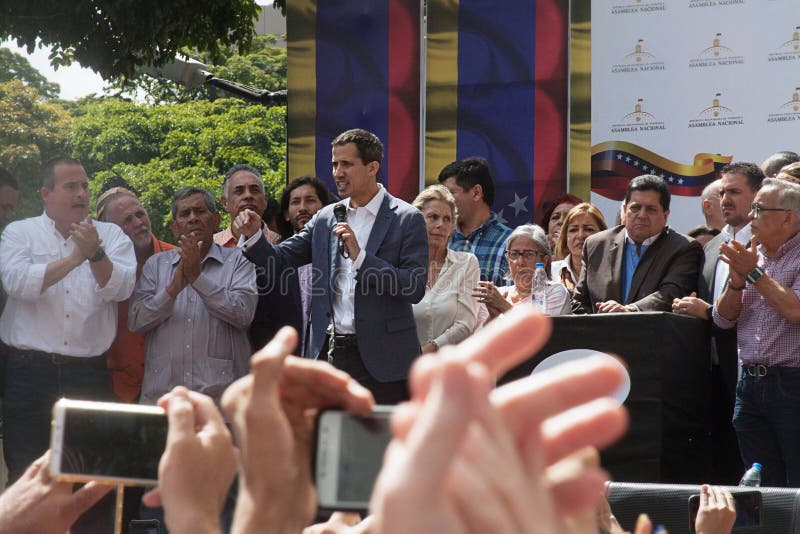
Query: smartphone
[[748, 509], [348, 456], [114, 442]]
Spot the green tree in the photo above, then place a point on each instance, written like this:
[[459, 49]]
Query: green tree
[[16, 67], [31, 132], [160, 148], [112, 37]]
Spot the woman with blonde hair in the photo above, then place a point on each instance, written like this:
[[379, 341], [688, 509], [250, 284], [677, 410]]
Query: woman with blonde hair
[[582, 221], [447, 314]]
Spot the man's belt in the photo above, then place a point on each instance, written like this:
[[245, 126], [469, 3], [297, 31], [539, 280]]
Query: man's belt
[[759, 370], [61, 359], [343, 341]]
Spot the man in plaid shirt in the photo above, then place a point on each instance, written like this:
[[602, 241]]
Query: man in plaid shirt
[[479, 231], [761, 300]]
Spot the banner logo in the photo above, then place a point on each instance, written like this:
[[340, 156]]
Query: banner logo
[[714, 3], [622, 7], [718, 54], [638, 120], [639, 60], [789, 111], [716, 115], [788, 50], [615, 163]]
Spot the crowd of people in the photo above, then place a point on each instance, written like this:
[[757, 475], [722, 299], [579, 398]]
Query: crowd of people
[[96, 307]]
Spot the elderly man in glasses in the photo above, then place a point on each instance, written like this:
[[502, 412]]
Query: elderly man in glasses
[[641, 265], [761, 300]]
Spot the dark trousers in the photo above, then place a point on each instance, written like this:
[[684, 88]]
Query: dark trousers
[[767, 423], [348, 359], [32, 384], [726, 463]]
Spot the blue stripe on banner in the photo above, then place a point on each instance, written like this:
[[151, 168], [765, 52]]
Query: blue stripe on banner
[[352, 75], [496, 47]]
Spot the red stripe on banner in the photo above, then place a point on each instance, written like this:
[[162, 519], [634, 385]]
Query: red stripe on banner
[[403, 130], [550, 119]]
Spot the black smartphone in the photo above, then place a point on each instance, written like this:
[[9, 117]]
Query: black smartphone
[[107, 441], [748, 509], [348, 456]]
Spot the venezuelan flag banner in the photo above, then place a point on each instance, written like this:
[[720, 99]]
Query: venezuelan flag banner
[[616, 163], [496, 87], [355, 64]]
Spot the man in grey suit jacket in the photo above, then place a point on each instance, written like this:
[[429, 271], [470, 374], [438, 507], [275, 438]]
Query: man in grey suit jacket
[[367, 271], [642, 265]]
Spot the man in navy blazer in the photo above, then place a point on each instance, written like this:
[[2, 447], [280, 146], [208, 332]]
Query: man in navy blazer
[[367, 271]]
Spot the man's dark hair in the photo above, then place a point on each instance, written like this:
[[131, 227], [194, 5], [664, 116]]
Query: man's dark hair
[[48, 169], [117, 181], [7, 179], [369, 146], [779, 160], [698, 231], [323, 194], [751, 171], [188, 191], [449, 171], [650, 182], [240, 167], [471, 172]]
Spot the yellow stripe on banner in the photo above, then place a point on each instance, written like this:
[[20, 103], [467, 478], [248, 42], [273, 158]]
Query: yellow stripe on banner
[[441, 100], [301, 27], [580, 85], [703, 163]]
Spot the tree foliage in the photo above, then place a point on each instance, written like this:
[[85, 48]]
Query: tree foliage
[[16, 67], [112, 37], [31, 132], [263, 66], [160, 148]]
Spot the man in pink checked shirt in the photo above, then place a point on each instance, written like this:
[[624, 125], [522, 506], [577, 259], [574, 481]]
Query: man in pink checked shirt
[[761, 300]]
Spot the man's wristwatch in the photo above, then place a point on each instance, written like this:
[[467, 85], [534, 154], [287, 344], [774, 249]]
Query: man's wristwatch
[[755, 274], [99, 255]]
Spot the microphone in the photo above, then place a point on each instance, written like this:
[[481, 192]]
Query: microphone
[[340, 212]]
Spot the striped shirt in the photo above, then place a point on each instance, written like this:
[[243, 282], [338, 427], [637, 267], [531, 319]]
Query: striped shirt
[[764, 336], [488, 243]]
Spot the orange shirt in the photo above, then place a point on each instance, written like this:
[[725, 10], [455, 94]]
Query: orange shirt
[[125, 357]]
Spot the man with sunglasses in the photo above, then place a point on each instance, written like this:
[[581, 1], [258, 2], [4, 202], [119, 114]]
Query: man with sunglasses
[[641, 265], [761, 300]]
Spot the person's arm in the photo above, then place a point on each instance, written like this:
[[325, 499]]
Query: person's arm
[[38, 503], [405, 281], [151, 305], [729, 305], [271, 413], [117, 268], [198, 464], [558, 300], [692, 306], [717, 512], [87, 240], [23, 278], [679, 280], [233, 301], [466, 276]]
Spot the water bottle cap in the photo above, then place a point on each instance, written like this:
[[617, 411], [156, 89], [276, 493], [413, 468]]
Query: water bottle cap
[[757, 466], [539, 265]]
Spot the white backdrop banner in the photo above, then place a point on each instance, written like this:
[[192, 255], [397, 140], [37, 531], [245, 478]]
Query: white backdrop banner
[[682, 87]]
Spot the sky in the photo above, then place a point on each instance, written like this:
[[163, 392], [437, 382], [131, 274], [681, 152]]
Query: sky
[[75, 81]]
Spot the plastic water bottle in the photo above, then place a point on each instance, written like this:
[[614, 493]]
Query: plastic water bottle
[[539, 287], [752, 477]]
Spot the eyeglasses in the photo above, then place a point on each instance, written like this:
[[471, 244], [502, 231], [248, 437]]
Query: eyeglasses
[[756, 209], [514, 255]]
